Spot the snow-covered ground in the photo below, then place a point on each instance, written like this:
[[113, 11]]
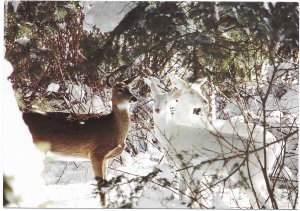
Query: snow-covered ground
[[75, 189], [79, 195]]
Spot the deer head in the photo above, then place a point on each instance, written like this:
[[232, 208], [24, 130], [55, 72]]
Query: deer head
[[192, 93], [161, 100], [121, 95]]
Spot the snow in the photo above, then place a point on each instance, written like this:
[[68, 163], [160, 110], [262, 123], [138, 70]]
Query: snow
[[155, 198], [141, 165], [239, 118], [19, 151], [274, 117], [219, 204], [82, 99], [216, 14], [15, 4], [204, 39], [23, 40], [290, 100], [140, 58], [166, 172], [104, 15], [53, 87], [151, 7], [64, 196], [266, 6], [96, 105]]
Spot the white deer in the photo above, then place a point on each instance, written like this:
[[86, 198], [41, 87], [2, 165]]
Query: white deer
[[238, 153], [192, 98]]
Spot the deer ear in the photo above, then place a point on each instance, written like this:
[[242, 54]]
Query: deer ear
[[110, 81], [147, 81], [177, 82], [153, 87], [131, 80]]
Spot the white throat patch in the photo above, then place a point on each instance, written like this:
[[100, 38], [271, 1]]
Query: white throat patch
[[41, 112], [123, 106]]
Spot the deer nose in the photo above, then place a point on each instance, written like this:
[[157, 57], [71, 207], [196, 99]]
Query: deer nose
[[157, 110], [197, 111], [133, 99]]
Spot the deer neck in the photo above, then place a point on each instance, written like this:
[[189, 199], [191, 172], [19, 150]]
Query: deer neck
[[162, 121], [121, 122], [121, 113]]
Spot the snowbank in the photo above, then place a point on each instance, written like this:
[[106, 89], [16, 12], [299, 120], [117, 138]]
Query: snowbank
[[22, 161], [104, 15]]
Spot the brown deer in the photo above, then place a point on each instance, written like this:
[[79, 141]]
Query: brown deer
[[97, 137]]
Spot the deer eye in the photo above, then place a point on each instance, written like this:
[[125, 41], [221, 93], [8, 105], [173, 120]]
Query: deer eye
[[120, 90]]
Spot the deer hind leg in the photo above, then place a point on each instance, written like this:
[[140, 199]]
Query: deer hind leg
[[190, 179], [254, 185], [99, 164], [182, 186], [258, 196]]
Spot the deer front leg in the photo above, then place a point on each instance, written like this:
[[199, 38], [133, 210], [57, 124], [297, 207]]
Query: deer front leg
[[99, 164]]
